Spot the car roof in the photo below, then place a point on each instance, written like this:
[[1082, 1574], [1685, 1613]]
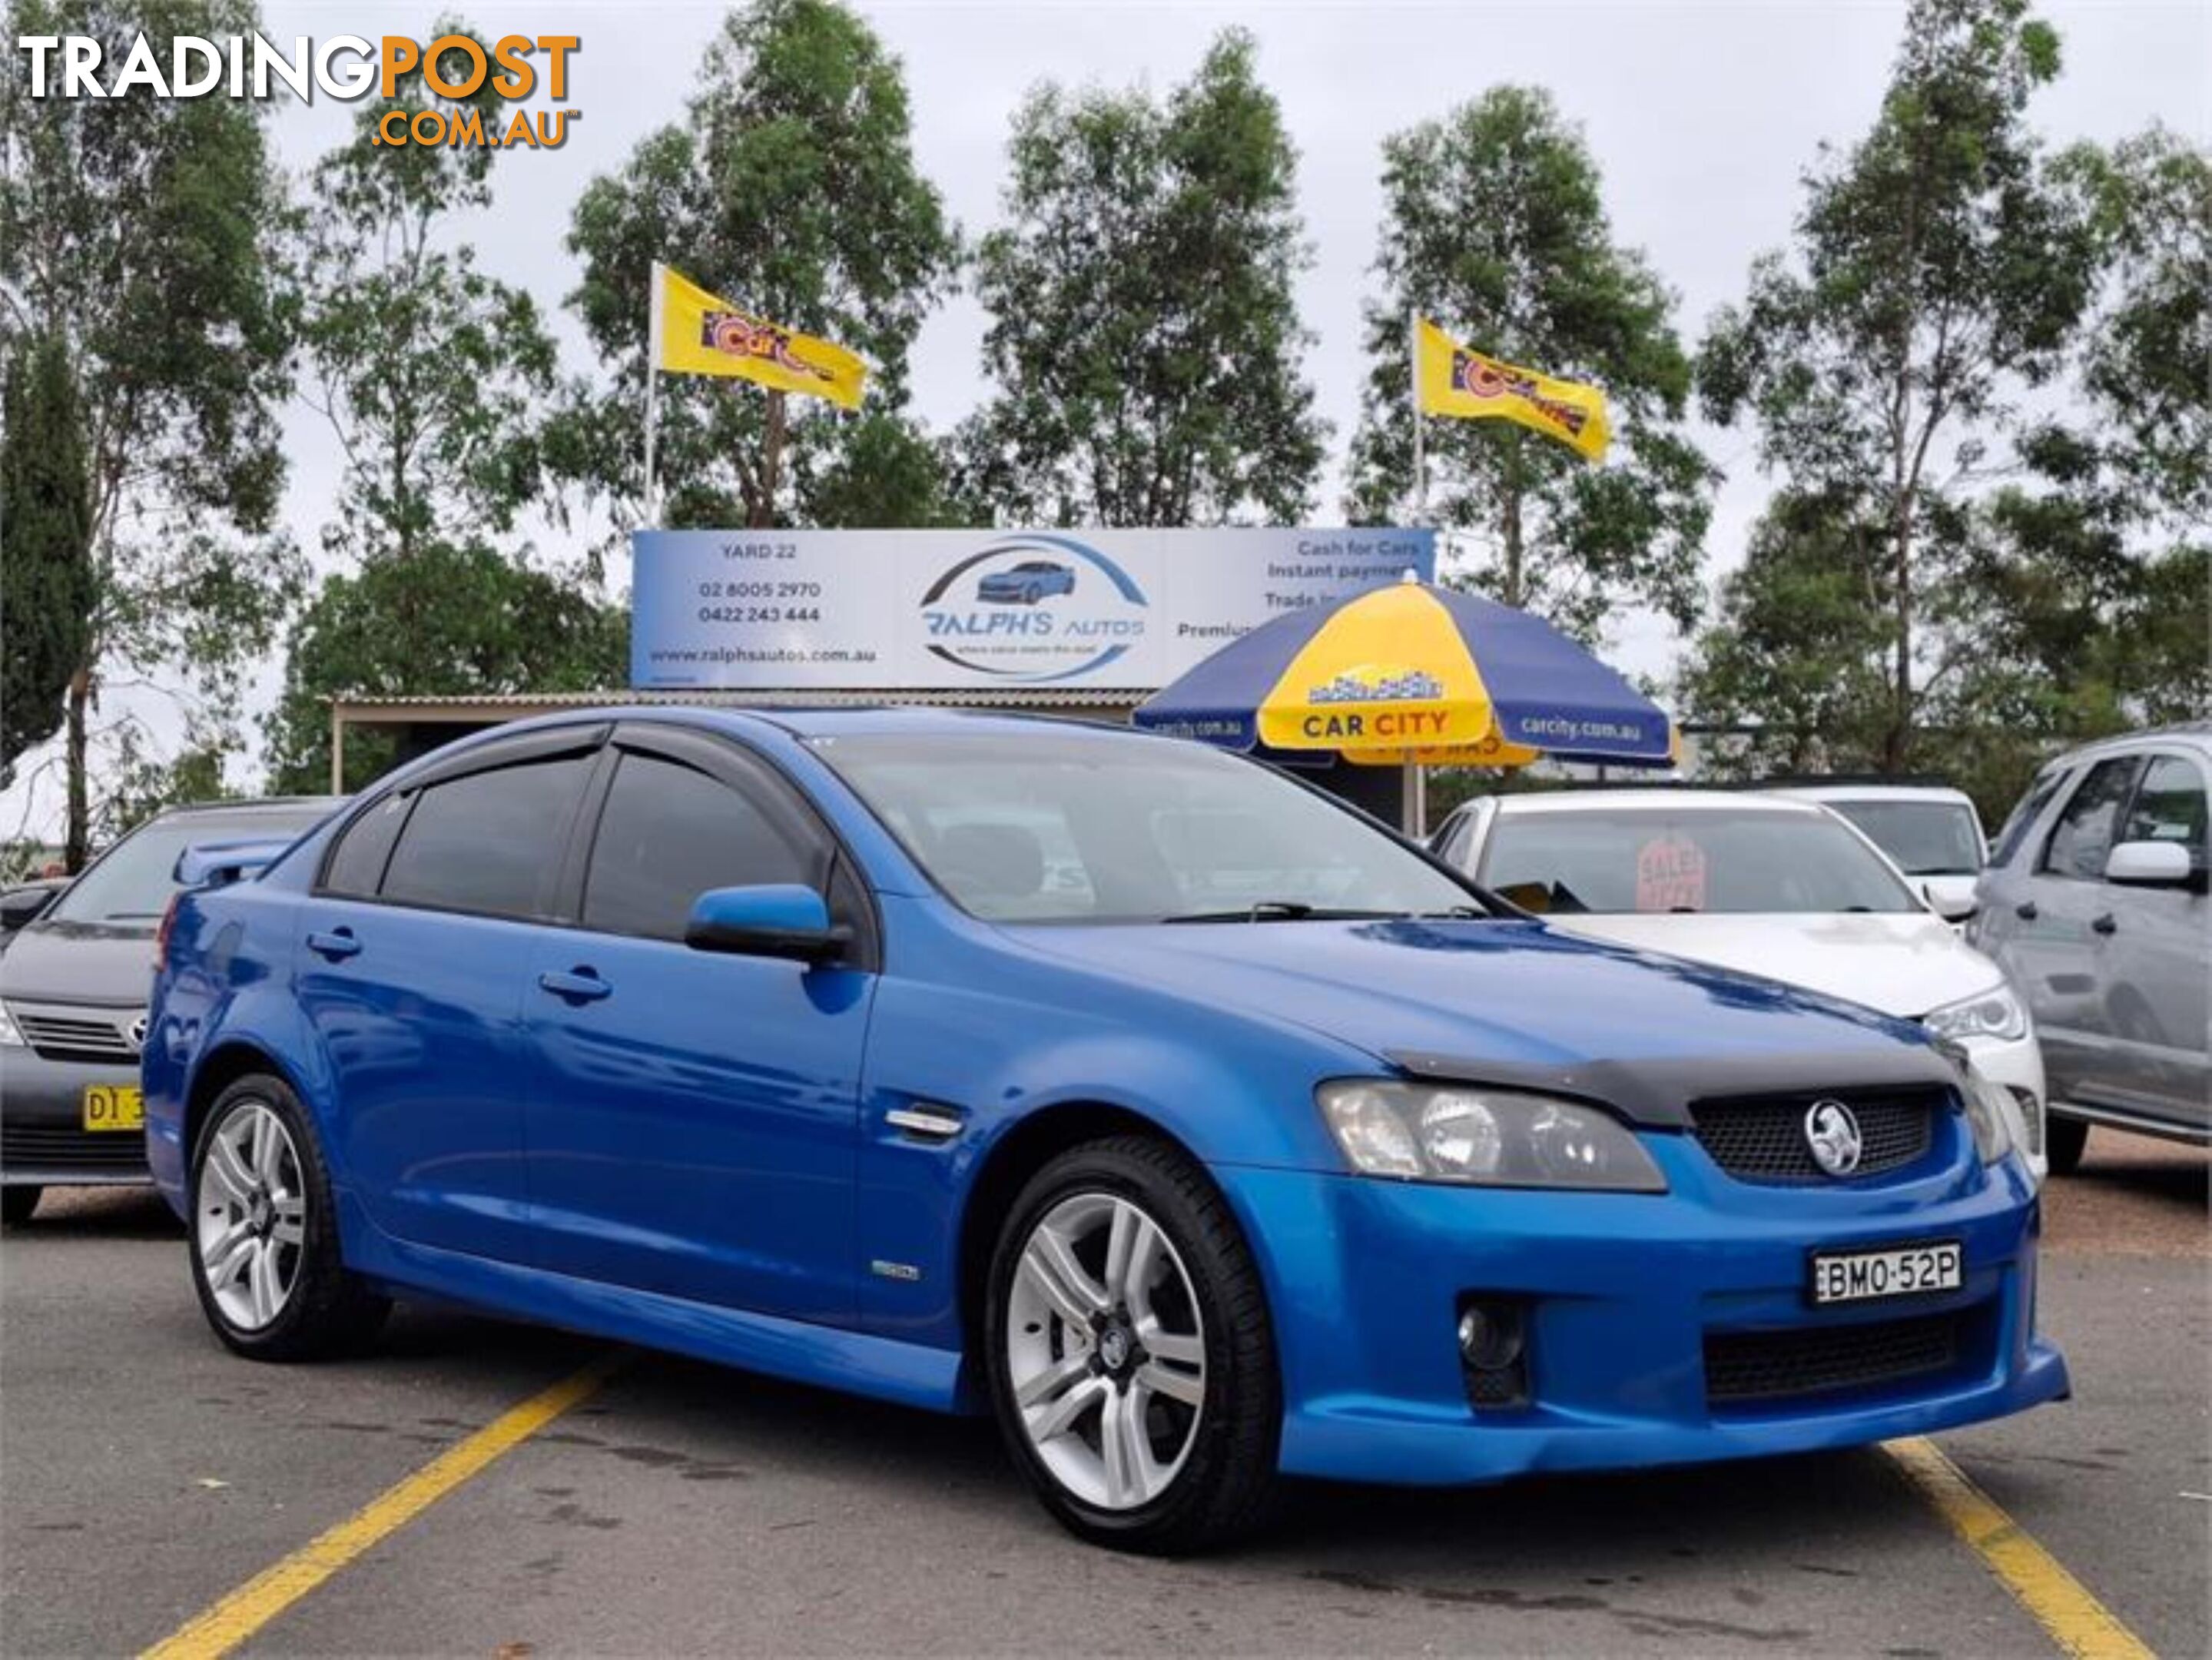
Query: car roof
[[269, 805], [1873, 792], [1666, 800], [2193, 735]]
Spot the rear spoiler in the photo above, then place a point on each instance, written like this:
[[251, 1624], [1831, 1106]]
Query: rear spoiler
[[218, 864]]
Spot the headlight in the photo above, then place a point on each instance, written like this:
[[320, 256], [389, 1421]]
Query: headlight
[[1995, 1013], [9, 1037], [1988, 1110], [1484, 1137]]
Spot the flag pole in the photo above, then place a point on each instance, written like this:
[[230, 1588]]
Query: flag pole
[[1420, 440], [1413, 801], [653, 392]]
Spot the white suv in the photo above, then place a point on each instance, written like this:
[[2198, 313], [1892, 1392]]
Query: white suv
[[1930, 830]]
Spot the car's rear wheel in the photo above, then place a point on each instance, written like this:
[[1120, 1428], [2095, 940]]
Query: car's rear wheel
[[2063, 1141], [1132, 1363], [264, 1235], [17, 1203]]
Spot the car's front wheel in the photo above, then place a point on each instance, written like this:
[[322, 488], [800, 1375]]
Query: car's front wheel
[[263, 1236], [2064, 1140], [17, 1203], [1133, 1365]]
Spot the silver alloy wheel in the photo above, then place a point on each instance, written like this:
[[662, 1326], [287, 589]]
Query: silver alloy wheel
[[1106, 1350], [251, 1225]]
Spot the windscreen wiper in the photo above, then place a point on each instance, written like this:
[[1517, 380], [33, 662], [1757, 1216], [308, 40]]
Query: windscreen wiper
[[1281, 910]]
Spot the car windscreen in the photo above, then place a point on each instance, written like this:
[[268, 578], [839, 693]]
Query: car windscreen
[[1742, 860], [1926, 838], [1094, 827], [131, 882]]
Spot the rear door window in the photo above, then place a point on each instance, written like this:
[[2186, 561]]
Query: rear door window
[[489, 842], [356, 866], [2082, 838], [668, 834]]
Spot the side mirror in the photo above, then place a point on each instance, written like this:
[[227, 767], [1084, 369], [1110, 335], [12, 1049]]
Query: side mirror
[[2148, 864], [1952, 898], [20, 907], [769, 920]]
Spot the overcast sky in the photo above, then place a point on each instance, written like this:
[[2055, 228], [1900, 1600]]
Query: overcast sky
[[1702, 116]]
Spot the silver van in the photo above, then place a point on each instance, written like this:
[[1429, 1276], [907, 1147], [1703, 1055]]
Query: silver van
[[2095, 901]]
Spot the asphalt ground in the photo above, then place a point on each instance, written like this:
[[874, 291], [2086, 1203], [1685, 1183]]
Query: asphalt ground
[[680, 1509]]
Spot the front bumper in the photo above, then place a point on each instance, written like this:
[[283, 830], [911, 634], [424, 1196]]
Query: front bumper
[[1621, 1294], [43, 1140]]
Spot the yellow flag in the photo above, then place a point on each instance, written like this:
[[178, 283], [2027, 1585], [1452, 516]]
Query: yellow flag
[[1450, 379], [695, 332]]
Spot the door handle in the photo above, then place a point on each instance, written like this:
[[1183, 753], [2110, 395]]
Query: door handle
[[2026, 910], [2105, 924], [579, 985], [336, 945]]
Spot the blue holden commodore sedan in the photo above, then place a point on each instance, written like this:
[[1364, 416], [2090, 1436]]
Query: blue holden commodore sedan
[[1193, 1125]]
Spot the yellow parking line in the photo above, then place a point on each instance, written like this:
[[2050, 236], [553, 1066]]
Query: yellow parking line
[[2077, 1621], [228, 1621]]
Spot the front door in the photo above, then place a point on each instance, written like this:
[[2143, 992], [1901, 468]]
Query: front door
[[693, 1116], [2057, 950], [2158, 966]]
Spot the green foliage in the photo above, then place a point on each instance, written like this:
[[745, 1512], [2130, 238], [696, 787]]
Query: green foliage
[[139, 231], [790, 188], [450, 620], [47, 585], [1495, 227], [1943, 267], [430, 373], [1144, 332], [140, 783]]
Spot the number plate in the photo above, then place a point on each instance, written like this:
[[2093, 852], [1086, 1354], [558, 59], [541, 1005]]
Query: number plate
[[114, 1107], [1865, 1276]]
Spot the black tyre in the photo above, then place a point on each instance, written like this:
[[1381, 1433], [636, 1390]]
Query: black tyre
[[2063, 1139], [1131, 1358], [263, 1232], [16, 1205]]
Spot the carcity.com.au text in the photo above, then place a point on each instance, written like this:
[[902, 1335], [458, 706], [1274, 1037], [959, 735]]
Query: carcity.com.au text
[[453, 68]]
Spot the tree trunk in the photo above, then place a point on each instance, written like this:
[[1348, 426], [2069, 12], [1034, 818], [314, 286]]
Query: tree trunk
[[77, 838], [763, 505], [1513, 595], [1897, 744]]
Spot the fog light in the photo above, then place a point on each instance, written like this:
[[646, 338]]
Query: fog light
[[1494, 1351], [2031, 1114]]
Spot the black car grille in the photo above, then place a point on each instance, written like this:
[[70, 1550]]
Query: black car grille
[[1762, 1137], [62, 1037], [65, 1148], [1780, 1365]]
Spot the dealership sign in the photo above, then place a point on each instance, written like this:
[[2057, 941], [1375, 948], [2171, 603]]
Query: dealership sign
[[1128, 610]]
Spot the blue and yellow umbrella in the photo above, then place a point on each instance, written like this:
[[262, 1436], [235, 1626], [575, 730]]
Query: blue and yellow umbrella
[[1412, 673]]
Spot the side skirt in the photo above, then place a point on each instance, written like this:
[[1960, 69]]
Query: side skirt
[[909, 1374]]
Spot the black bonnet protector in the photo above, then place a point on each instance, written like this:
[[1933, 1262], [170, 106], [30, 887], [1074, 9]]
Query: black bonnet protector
[[1657, 1093]]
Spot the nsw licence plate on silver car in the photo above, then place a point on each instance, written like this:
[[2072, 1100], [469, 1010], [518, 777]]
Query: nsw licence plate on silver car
[[1860, 1276]]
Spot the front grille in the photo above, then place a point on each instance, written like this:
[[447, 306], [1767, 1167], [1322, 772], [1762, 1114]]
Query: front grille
[[1780, 1365], [80, 1037], [63, 1147], [1762, 1137]]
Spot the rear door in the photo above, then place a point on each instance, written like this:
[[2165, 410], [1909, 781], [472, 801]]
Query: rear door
[[2156, 956], [693, 1116], [410, 966]]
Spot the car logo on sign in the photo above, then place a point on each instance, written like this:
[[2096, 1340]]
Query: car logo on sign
[[1833, 1133]]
